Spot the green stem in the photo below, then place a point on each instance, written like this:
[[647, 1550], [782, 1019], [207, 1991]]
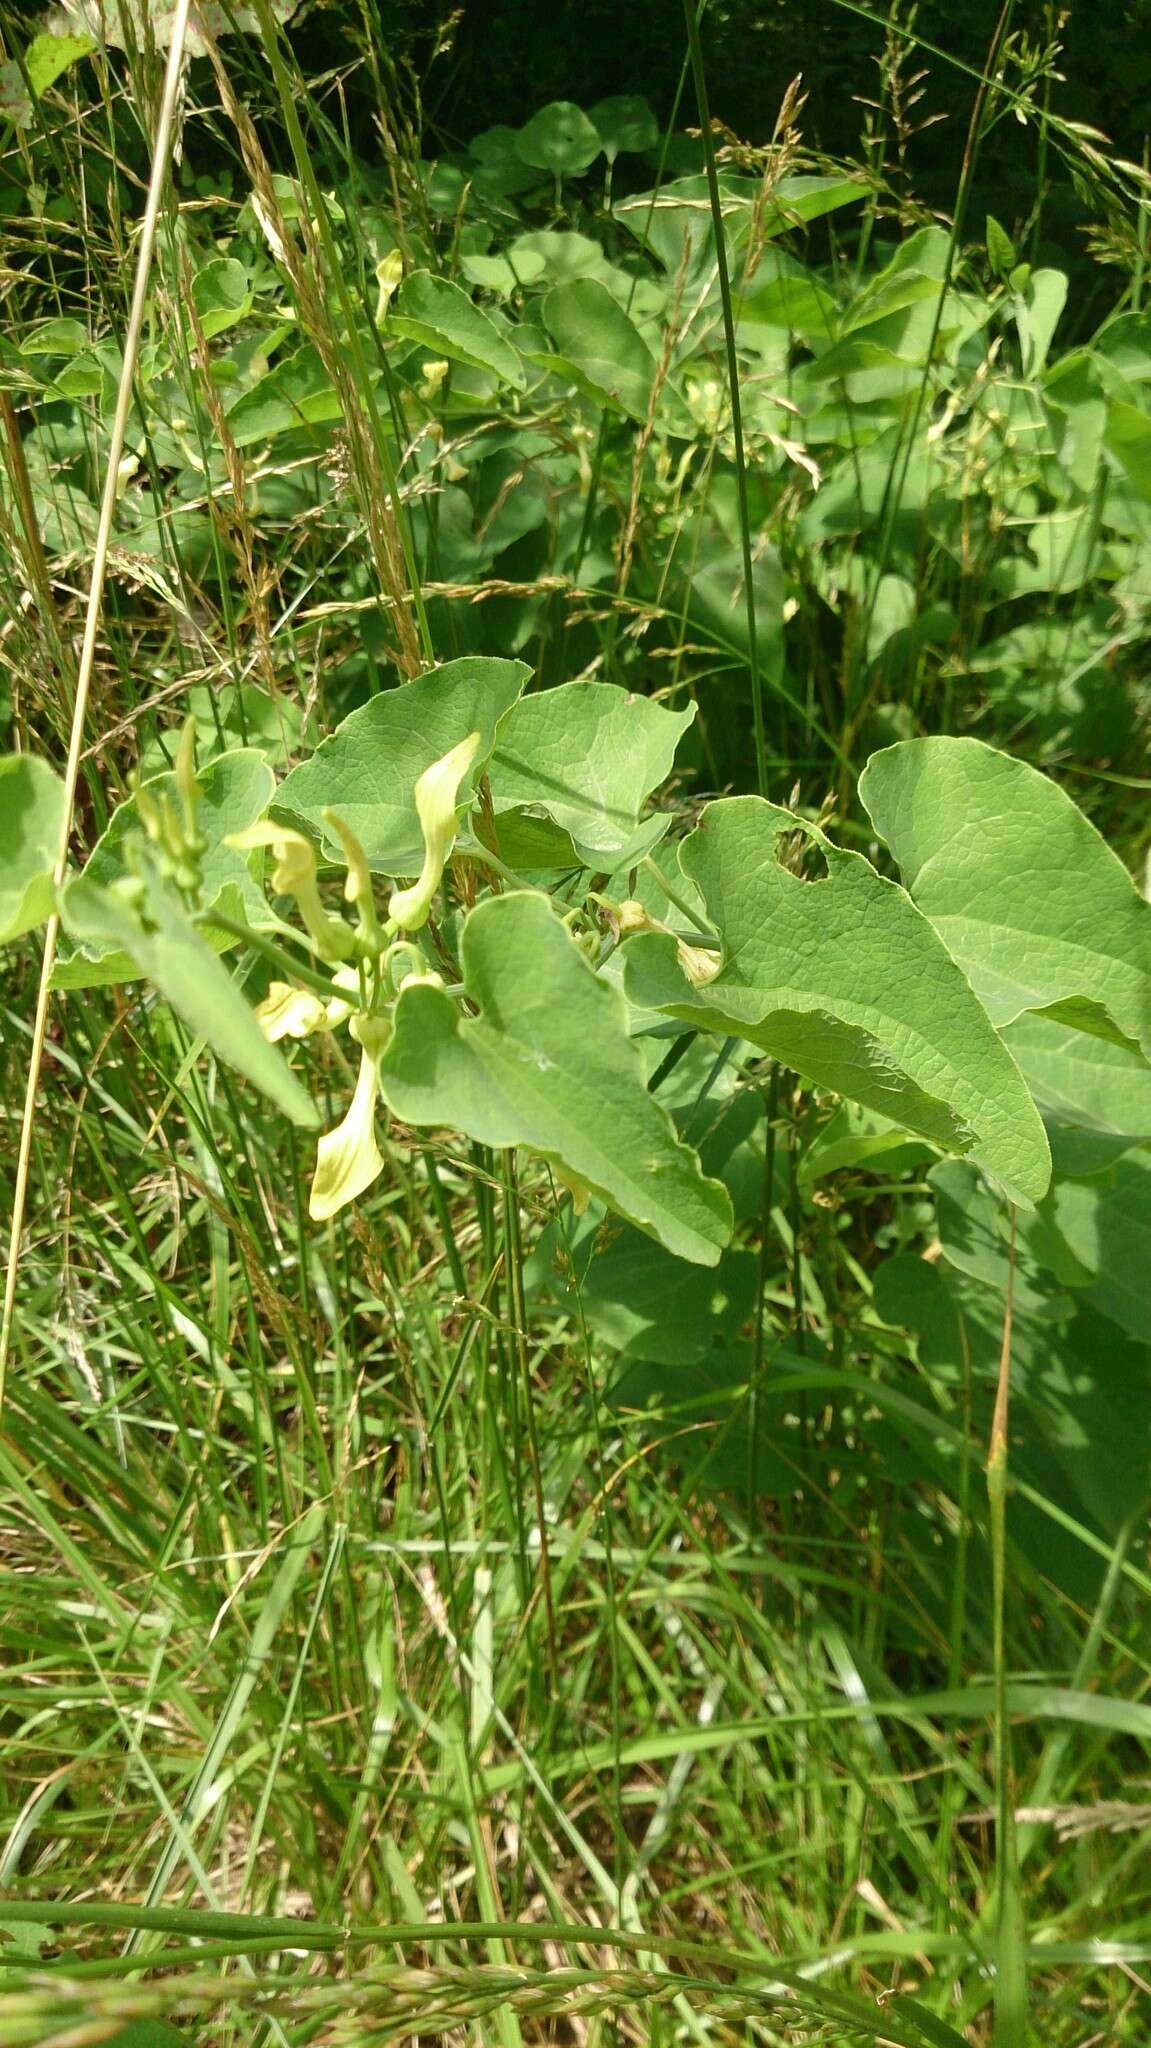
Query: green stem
[[695, 50], [1011, 1960], [319, 984]]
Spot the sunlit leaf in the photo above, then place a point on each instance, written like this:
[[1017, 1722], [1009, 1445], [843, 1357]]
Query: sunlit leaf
[[31, 818], [547, 1064], [844, 980], [1022, 889]]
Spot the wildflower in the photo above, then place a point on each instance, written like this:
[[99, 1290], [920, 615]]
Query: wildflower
[[349, 1159], [295, 875], [288, 1012], [436, 795]]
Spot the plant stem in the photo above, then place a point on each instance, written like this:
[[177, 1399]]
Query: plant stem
[[695, 50]]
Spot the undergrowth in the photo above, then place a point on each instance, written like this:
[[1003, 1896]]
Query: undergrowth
[[458, 1614]]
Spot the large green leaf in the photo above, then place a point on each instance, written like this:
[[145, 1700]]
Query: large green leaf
[[547, 1064], [1106, 1224], [221, 295], [437, 313], [624, 123], [1095, 1096], [844, 980], [235, 789], [592, 332], [367, 770], [31, 818], [560, 139], [164, 946], [297, 392], [587, 755], [1022, 889]]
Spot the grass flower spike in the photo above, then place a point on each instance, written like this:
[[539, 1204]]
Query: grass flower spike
[[436, 794]]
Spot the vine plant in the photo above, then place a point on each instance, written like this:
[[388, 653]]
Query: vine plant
[[522, 938]]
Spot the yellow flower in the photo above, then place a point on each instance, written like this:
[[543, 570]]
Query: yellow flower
[[358, 881], [389, 273], [348, 1159], [295, 875], [698, 963], [436, 793], [288, 1012]]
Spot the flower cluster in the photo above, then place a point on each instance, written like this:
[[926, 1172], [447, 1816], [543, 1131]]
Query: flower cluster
[[371, 962]]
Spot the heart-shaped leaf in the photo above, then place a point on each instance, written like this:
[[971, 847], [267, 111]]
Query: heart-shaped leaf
[[844, 980], [221, 295], [587, 755], [368, 769], [560, 139], [1020, 886], [624, 122], [548, 1064], [437, 313]]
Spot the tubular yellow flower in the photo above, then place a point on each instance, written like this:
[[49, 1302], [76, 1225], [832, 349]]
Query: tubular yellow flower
[[698, 963], [288, 1012], [436, 793], [295, 875], [348, 1159], [358, 882]]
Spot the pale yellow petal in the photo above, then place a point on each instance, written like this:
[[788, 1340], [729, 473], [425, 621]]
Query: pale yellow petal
[[348, 1159]]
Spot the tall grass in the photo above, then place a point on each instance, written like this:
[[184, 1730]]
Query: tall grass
[[369, 1670]]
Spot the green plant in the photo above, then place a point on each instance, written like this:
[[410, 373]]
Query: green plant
[[448, 1535]]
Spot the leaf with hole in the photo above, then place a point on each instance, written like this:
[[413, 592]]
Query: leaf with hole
[[844, 980]]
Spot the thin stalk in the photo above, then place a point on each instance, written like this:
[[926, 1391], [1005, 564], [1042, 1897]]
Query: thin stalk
[[161, 152], [695, 51], [767, 1204], [1011, 1958]]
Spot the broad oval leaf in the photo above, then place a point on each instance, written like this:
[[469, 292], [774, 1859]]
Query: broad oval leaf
[[624, 122], [548, 1064], [169, 952], [560, 139], [367, 770], [587, 755], [436, 312], [1020, 886], [592, 332], [844, 980], [1095, 1096], [221, 295], [31, 820]]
